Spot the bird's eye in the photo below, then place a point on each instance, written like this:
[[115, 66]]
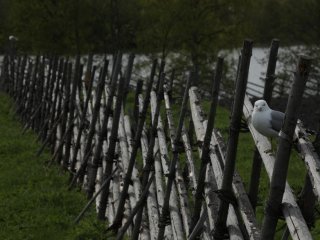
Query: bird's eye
[[263, 104]]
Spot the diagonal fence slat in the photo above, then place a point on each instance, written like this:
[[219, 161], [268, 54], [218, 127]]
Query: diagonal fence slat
[[197, 117], [311, 159], [184, 203], [176, 222], [245, 208]]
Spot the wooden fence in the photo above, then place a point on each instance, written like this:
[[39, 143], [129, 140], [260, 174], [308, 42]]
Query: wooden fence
[[126, 154]]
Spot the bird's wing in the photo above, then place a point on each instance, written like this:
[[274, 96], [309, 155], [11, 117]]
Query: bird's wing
[[276, 120]]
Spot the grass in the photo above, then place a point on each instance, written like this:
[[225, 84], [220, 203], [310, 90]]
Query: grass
[[34, 201]]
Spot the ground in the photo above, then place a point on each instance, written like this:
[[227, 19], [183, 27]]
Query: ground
[[34, 201]]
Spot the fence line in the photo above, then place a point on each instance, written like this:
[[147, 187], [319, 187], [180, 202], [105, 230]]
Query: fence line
[[94, 132]]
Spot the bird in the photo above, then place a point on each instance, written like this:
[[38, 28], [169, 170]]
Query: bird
[[266, 121]]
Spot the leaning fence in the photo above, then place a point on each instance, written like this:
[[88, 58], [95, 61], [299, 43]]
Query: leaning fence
[[127, 152]]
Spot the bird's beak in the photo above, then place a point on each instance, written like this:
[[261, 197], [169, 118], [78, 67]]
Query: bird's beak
[[259, 109]]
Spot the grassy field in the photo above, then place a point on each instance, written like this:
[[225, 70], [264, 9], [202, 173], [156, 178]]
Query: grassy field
[[34, 201]]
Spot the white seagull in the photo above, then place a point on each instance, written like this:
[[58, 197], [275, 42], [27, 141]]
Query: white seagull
[[266, 121]]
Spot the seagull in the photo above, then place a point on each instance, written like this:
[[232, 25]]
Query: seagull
[[13, 38], [266, 121]]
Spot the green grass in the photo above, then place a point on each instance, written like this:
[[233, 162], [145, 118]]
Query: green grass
[[34, 201]]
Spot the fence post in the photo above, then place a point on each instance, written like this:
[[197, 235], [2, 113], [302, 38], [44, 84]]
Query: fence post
[[61, 76], [111, 149], [93, 166], [83, 120], [205, 149], [278, 180], [66, 81], [234, 130], [128, 77], [267, 96], [150, 158], [96, 109], [72, 106], [136, 143], [172, 170], [136, 102]]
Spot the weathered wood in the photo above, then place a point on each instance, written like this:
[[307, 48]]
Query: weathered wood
[[136, 143], [63, 126], [111, 148], [170, 85], [267, 96], [199, 226], [21, 85], [103, 131], [217, 166], [77, 220], [59, 103], [211, 199], [71, 107], [26, 89], [307, 202], [136, 188], [82, 122], [124, 153], [291, 212], [92, 130], [205, 148], [190, 161], [279, 175], [55, 104], [32, 86], [136, 102], [115, 183], [172, 168], [128, 76], [51, 82], [176, 222], [149, 158], [310, 157], [159, 185], [232, 222], [234, 130], [135, 179], [134, 211], [152, 204]]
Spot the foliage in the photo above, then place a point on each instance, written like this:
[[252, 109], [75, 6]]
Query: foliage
[[199, 28], [83, 25]]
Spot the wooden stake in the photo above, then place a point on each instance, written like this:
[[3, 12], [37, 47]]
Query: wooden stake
[[234, 129], [205, 158], [134, 211], [99, 89], [111, 149], [149, 159], [82, 121], [165, 209], [279, 175], [136, 143], [267, 96], [92, 173]]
